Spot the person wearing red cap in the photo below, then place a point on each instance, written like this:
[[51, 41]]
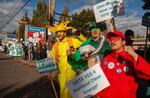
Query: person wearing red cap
[[122, 68]]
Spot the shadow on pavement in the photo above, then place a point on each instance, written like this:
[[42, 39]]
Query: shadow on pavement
[[3, 90], [38, 89], [6, 58]]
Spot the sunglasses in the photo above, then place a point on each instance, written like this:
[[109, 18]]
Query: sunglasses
[[95, 30], [114, 38]]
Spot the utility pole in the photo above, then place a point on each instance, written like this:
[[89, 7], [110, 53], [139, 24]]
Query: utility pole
[[50, 39], [51, 11], [51, 18], [18, 34], [146, 40]]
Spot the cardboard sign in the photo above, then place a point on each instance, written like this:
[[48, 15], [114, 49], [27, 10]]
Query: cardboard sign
[[88, 83], [35, 34], [108, 9], [46, 65], [16, 50]]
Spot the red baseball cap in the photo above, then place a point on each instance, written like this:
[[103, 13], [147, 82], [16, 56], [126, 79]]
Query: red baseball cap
[[115, 33]]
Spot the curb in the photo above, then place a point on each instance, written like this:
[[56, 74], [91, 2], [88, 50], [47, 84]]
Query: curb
[[25, 62], [5, 56], [31, 63]]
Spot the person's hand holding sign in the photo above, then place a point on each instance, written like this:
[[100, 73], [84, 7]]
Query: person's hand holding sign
[[51, 75]]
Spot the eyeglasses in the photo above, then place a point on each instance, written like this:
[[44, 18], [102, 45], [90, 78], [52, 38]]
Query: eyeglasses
[[114, 38]]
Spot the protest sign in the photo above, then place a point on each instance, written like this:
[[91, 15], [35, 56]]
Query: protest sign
[[35, 34], [46, 65], [108, 9], [16, 50], [88, 83]]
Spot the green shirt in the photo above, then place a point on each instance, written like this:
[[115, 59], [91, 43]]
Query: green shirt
[[77, 64]]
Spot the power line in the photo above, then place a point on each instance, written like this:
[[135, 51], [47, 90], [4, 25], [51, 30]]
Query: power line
[[12, 11], [10, 14], [19, 10], [15, 14], [82, 20]]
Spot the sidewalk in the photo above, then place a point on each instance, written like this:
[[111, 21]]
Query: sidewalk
[[18, 59], [26, 62], [3, 56]]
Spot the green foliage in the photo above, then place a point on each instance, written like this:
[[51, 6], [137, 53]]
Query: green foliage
[[25, 18], [81, 20], [139, 36], [40, 14], [40, 17], [146, 5], [65, 13]]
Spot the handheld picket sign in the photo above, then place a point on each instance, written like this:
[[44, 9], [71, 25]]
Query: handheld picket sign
[[46, 65], [88, 83], [90, 49], [91, 81]]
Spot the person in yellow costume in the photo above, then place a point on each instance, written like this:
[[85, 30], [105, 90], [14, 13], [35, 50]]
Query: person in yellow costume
[[59, 49]]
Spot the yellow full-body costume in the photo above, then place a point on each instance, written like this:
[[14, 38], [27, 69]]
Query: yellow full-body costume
[[65, 72]]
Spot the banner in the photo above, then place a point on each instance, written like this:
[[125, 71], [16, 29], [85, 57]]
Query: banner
[[46, 65], [88, 83], [35, 34], [16, 50], [108, 9]]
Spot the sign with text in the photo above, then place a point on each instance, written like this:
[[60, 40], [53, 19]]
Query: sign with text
[[35, 34], [16, 50], [108, 9], [88, 83], [46, 65]]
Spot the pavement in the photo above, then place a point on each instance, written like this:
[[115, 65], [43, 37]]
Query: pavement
[[20, 78], [25, 62], [19, 59]]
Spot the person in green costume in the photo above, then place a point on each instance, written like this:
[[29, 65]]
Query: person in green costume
[[75, 59]]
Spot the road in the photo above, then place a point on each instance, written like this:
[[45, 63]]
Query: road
[[18, 80]]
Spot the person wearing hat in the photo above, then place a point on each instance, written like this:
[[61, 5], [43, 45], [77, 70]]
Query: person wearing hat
[[90, 45], [65, 72], [122, 68]]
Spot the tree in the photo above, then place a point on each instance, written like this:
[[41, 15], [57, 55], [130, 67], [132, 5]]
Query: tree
[[146, 5], [40, 14], [146, 17], [81, 20], [65, 13], [139, 36], [26, 19]]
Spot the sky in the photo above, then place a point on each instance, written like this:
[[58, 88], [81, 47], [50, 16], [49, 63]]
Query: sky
[[131, 20]]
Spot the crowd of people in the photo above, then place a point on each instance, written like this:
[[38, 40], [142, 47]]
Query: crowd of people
[[34, 52], [30, 51]]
